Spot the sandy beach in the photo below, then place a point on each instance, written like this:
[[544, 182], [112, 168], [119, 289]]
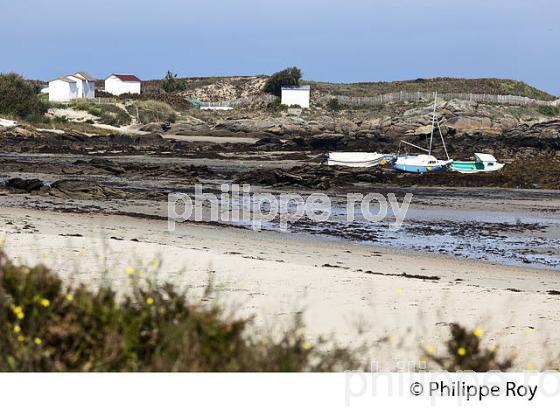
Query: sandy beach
[[341, 287]]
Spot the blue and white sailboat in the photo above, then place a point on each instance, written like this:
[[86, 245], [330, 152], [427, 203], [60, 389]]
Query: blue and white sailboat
[[423, 163]]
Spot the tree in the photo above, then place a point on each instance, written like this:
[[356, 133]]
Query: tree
[[20, 97], [285, 78], [171, 83]]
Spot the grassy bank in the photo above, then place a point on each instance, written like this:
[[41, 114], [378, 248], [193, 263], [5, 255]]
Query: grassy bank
[[442, 85], [108, 114]]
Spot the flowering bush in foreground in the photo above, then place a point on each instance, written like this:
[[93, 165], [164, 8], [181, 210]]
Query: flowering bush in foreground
[[48, 326], [464, 352]]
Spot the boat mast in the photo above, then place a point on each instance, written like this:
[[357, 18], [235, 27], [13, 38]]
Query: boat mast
[[433, 124], [442, 140]]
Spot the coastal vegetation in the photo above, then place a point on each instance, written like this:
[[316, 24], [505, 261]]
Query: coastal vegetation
[[493, 86], [109, 114], [152, 111], [549, 111], [289, 77], [49, 325], [171, 83], [19, 97]]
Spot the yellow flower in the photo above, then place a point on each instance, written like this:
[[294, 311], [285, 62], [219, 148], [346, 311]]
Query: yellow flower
[[399, 291], [2, 242], [129, 270], [530, 366], [492, 348], [149, 300], [69, 297], [155, 263], [37, 341], [431, 349], [17, 329], [45, 303], [529, 331], [18, 311], [477, 332], [264, 342], [82, 251], [21, 338], [306, 346], [461, 351]]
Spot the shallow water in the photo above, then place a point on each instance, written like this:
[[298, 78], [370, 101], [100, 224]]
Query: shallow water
[[506, 237]]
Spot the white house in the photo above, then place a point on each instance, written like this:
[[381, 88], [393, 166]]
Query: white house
[[118, 84], [296, 96], [77, 85]]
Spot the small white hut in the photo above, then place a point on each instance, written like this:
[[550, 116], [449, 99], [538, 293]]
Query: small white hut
[[118, 84], [77, 85], [296, 96]]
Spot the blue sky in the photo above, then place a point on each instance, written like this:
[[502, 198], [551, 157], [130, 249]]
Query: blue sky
[[339, 41]]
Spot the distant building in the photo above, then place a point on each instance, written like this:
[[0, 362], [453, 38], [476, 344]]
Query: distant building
[[77, 85], [296, 96], [118, 84]]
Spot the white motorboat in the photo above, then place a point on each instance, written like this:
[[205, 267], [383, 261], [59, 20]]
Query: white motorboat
[[357, 159], [482, 163]]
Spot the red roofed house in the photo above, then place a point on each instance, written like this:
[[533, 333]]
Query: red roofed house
[[118, 84]]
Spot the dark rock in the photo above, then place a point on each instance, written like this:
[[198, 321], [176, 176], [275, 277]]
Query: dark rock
[[102, 163], [27, 185], [79, 189]]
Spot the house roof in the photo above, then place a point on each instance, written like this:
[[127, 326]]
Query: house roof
[[84, 76], [126, 77], [65, 79]]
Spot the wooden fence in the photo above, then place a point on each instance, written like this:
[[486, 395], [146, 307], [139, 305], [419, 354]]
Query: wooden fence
[[371, 101], [426, 96]]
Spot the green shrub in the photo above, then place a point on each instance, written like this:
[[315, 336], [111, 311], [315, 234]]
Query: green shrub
[[170, 83], [47, 326], [20, 97], [549, 110], [152, 111], [276, 106], [87, 105], [285, 78], [334, 105], [464, 352], [113, 115]]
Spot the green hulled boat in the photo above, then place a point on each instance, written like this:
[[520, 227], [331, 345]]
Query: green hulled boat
[[482, 163]]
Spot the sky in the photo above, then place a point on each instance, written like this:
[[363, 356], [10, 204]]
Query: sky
[[336, 41]]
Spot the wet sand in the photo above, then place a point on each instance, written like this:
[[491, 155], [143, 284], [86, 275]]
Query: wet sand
[[339, 285], [505, 226], [211, 138]]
